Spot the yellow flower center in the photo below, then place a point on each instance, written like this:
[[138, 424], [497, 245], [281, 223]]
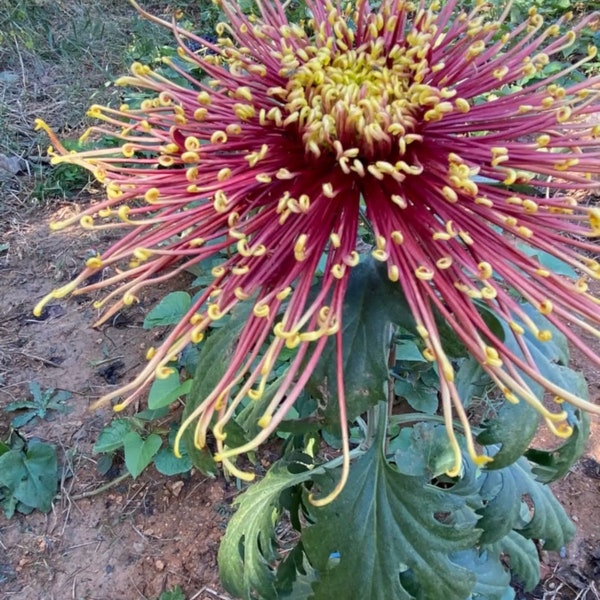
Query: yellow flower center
[[361, 103]]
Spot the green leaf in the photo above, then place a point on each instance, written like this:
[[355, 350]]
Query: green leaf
[[169, 311], [139, 452], [371, 305], [550, 522], [407, 350], [504, 491], [420, 396], [384, 523], [57, 401], [492, 579], [248, 417], [31, 477], [4, 448], [175, 593], [550, 261], [39, 406], [214, 357], [514, 427], [104, 463], [249, 545], [471, 381], [22, 419], [551, 465], [36, 392], [168, 464], [303, 578], [111, 437], [523, 557], [423, 450], [555, 350], [149, 414], [20, 405], [165, 391]]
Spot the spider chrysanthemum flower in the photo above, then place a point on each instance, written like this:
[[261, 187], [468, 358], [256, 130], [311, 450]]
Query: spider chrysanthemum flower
[[298, 127]]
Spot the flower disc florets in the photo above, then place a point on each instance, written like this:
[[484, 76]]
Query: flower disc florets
[[442, 129]]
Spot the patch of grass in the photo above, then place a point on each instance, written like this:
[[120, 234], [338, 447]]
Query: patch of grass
[[59, 56]]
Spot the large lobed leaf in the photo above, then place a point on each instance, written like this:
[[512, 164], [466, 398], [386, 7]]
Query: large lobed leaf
[[504, 491], [385, 523], [248, 548], [522, 555], [516, 424], [550, 465]]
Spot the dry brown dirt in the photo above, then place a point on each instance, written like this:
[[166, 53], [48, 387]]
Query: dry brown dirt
[[139, 538]]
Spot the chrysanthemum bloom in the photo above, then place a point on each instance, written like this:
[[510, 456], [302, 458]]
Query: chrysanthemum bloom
[[296, 127]]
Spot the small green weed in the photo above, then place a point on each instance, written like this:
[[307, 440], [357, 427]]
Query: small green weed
[[142, 441], [175, 593], [28, 475], [40, 405]]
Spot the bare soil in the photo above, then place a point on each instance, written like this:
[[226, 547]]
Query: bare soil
[[138, 538]]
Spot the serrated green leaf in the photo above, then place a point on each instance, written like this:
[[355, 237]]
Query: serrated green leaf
[[36, 392], [426, 451], [371, 305], [249, 546], [453, 346], [22, 419], [20, 405], [523, 558], [31, 477], [139, 452], [305, 576], [550, 261], [504, 491], [253, 411], [57, 401], [551, 465], [381, 521], [165, 391], [111, 437], [492, 579], [169, 311], [548, 356], [556, 350], [168, 464], [550, 522], [513, 427]]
